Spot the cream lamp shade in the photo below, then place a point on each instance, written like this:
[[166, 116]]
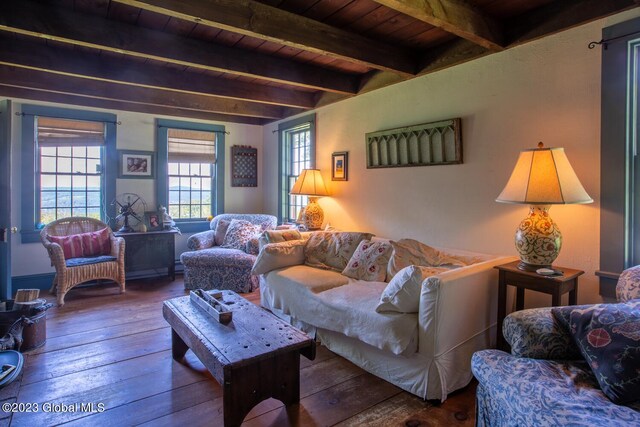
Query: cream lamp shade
[[541, 177], [310, 183]]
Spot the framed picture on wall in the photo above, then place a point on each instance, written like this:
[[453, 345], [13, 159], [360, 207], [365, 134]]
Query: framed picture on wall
[[136, 164], [340, 166]]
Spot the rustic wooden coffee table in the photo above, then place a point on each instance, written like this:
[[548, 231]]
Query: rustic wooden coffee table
[[254, 357]]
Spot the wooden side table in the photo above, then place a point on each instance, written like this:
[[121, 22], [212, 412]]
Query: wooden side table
[[152, 250], [556, 286]]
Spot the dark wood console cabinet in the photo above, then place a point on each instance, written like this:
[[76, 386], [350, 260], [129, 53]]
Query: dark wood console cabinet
[[153, 250]]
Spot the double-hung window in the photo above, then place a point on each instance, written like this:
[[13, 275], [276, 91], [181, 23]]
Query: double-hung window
[[297, 152], [190, 172], [69, 166]]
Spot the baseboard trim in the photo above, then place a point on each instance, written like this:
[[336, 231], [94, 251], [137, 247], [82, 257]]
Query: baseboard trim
[[43, 281], [33, 281]]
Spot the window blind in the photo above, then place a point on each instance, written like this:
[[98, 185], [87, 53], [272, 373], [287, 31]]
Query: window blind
[[55, 132], [191, 146]]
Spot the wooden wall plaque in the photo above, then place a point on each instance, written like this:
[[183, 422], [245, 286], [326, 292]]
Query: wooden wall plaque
[[437, 143], [244, 166]]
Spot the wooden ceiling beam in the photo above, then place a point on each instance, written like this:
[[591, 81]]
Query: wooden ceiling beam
[[60, 98], [31, 79], [259, 20], [59, 24], [559, 16], [444, 56], [37, 56], [454, 16]]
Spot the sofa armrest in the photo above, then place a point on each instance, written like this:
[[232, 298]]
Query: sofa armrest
[[534, 333], [458, 305], [201, 240]]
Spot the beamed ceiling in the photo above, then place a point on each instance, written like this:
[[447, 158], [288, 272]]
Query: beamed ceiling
[[249, 61]]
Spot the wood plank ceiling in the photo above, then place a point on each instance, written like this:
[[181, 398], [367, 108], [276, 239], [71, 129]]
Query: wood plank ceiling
[[251, 61]]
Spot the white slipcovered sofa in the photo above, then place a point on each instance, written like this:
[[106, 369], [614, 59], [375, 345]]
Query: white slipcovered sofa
[[427, 353]]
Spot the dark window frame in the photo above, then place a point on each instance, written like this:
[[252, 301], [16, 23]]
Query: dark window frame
[[286, 160], [619, 163]]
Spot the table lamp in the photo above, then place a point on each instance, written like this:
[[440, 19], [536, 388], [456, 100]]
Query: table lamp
[[310, 183], [541, 177]]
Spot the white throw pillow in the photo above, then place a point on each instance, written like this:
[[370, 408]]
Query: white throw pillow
[[402, 294], [279, 255]]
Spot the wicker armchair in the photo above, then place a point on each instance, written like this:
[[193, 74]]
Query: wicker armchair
[[70, 273]]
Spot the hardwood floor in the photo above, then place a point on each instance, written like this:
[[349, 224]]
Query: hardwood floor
[[114, 350]]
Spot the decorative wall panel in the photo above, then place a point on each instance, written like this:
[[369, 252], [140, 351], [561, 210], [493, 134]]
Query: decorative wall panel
[[437, 143]]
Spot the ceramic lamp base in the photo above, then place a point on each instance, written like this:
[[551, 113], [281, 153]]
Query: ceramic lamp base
[[538, 239], [313, 215]]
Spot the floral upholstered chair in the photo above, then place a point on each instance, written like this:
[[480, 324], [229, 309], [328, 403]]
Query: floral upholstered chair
[[222, 258], [546, 380]]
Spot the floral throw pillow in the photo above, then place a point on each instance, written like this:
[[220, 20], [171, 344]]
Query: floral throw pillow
[[239, 233], [221, 231], [332, 250], [369, 261], [608, 336]]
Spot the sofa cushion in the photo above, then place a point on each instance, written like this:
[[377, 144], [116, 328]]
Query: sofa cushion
[[535, 333], [402, 294], [217, 257], [346, 306], [221, 231], [532, 392], [76, 262], [608, 336], [332, 250], [277, 236], [310, 279], [239, 233], [369, 261], [279, 255], [408, 252]]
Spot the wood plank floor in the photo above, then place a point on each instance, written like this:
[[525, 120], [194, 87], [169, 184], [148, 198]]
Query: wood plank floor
[[114, 350]]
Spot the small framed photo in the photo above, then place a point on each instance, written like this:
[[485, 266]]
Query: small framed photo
[[153, 221], [136, 164], [340, 166]]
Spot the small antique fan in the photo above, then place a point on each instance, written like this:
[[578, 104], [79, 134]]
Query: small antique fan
[[130, 208]]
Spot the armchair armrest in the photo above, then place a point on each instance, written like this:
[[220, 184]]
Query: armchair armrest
[[201, 240], [534, 333], [117, 247], [56, 255]]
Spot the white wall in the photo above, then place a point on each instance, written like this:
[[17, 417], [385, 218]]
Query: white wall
[[136, 132], [548, 90]]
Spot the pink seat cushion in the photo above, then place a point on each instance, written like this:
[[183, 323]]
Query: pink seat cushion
[[84, 245]]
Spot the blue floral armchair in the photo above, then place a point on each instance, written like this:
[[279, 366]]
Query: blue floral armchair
[[545, 381], [209, 266]]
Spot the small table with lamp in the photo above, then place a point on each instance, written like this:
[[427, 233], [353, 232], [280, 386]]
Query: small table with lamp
[[555, 285]]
